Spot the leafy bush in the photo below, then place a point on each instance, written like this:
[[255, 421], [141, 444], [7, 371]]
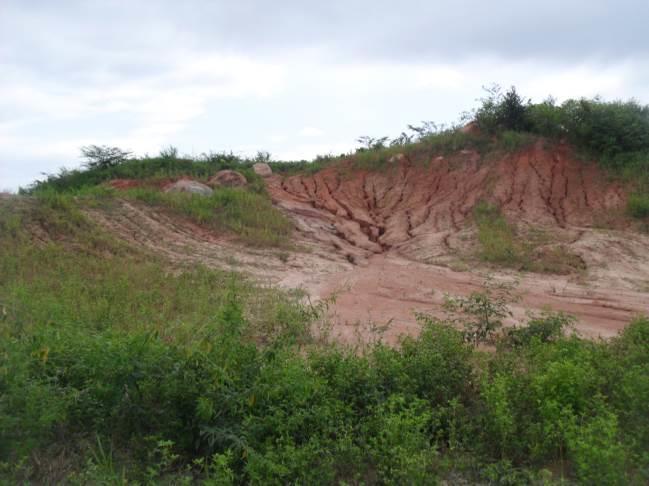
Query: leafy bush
[[502, 111], [543, 328]]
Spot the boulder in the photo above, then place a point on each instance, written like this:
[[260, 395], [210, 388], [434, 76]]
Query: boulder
[[471, 128], [185, 185], [262, 169], [227, 178]]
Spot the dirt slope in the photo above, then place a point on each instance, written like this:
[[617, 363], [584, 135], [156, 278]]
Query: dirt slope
[[415, 206], [392, 242]]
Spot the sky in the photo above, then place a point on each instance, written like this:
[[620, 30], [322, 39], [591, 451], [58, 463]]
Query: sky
[[294, 78]]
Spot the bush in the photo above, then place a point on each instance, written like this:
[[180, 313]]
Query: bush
[[638, 205], [502, 111], [544, 328]]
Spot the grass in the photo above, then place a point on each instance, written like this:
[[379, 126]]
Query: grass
[[249, 216], [245, 214], [500, 244], [144, 168], [116, 368], [638, 205]]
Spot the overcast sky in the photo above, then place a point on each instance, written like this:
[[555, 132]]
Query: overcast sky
[[295, 78]]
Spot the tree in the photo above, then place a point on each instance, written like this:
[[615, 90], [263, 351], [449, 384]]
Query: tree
[[103, 156], [500, 111], [371, 143]]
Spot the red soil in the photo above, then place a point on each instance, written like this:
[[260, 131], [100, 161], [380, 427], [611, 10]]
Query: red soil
[[414, 203]]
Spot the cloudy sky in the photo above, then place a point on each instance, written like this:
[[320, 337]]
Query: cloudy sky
[[295, 78]]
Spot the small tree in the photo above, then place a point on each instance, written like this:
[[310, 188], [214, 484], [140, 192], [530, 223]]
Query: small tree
[[169, 153], [500, 111], [481, 314], [262, 157], [103, 156], [371, 143]]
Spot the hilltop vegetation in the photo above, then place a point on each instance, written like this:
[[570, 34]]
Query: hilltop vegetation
[[116, 368], [615, 134]]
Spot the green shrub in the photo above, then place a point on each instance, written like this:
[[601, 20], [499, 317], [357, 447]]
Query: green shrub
[[638, 205], [544, 328], [502, 111]]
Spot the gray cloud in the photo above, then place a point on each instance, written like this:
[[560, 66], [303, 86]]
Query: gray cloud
[[246, 75]]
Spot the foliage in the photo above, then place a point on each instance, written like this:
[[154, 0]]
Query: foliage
[[167, 165], [638, 205], [615, 133], [544, 328], [481, 314], [497, 238], [115, 369], [504, 244], [247, 214], [500, 111], [102, 157]]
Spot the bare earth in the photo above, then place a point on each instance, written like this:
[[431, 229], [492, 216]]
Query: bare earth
[[393, 242]]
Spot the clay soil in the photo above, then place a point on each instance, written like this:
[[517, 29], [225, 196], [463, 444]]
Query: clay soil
[[392, 242]]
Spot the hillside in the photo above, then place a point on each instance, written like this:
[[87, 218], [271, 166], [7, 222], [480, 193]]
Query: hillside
[[394, 240], [466, 307]]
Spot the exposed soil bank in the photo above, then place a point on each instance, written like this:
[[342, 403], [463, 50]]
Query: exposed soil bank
[[392, 242]]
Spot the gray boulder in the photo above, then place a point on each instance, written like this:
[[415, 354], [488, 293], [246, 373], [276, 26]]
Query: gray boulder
[[185, 185]]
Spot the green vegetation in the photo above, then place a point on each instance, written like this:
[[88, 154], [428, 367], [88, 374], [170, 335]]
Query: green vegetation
[[246, 213], [615, 133], [249, 215], [638, 205], [115, 368], [501, 244], [106, 163]]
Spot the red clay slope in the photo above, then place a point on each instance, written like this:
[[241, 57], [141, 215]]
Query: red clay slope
[[417, 202]]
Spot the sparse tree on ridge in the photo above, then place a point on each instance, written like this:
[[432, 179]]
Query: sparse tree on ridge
[[103, 156]]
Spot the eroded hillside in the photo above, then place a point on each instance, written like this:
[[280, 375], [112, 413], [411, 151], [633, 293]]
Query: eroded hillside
[[393, 241]]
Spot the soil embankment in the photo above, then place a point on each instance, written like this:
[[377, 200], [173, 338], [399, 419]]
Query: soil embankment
[[394, 241]]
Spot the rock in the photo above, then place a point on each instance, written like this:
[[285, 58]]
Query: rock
[[471, 128], [185, 185], [227, 178], [262, 169]]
